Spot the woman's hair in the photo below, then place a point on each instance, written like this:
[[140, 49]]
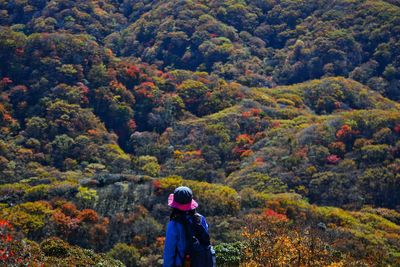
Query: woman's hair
[[176, 214]]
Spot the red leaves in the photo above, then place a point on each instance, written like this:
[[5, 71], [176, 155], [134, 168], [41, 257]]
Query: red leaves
[[84, 88], [10, 252], [243, 141], [345, 132], [19, 51], [132, 71], [5, 81], [254, 112], [8, 238], [168, 76], [332, 159], [397, 128], [5, 225], [275, 217], [132, 124], [3, 255], [19, 88]]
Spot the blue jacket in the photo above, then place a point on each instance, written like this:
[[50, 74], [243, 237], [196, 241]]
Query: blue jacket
[[175, 242]]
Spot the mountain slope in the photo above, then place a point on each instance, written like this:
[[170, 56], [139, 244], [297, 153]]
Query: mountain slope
[[282, 116], [270, 42]]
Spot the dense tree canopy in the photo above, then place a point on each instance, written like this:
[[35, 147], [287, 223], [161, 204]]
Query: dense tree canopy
[[281, 115]]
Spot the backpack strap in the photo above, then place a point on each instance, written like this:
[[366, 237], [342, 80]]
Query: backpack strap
[[199, 231]]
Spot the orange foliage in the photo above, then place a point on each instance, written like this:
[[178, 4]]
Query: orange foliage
[[64, 223], [132, 124], [156, 185], [301, 153], [7, 117], [338, 147], [203, 80], [160, 241], [92, 132], [187, 154], [259, 160], [246, 153], [117, 85], [69, 209], [246, 114], [145, 89], [99, 231], [88, 215], [244, 139], [346, 131], [254, 112], [275, 124]]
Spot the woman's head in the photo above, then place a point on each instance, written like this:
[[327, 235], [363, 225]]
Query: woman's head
[[182, 199]]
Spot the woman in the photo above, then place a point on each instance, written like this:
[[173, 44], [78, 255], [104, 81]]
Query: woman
[[186, 230]]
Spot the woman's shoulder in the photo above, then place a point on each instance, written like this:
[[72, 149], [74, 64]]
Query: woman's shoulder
[[200, 219], [200, 216]]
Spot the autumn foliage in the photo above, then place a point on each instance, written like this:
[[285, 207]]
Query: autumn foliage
[[282, 116]]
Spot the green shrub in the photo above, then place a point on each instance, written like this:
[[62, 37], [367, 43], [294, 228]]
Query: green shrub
[[128, 255], [229, 254], [55, 247]]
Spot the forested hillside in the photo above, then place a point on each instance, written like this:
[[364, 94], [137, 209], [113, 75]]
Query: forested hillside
[[281, 115]]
